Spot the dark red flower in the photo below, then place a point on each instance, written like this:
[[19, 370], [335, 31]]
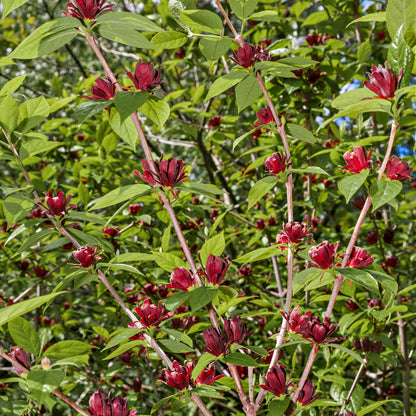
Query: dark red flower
[[323, 255], [307, 394], [137, 384], [372, 237], [351, 305], [383, 81], [357, 160], [207, 376], [112, 232], [262, 54], [167, 173], [58, 205], [235, 330], [391, 261], [276, 163], [374, 303], [214, 122], [35, 213], [398, 170], [245, 56], [215, 269], [86, 256], [145, 77], [103, 405], [293, 232], [380, 36], [265, 116], [359, 258], [275, 381], [87, 9], [104, 89], [179, 377], [315, 39], [134, 209], [388, 236], [214, 342], [358, 202], [22, 357], [181, 279], [260, 224], [150, 314], [39, 271]]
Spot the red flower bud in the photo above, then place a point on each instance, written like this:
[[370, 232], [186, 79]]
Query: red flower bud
[[22, 357], [372, 237], [235, 330], [323, 255], [391, 261], [134, 209], [145, 77], [181, 279], [214, 342], [293, 232], [86, 256], [357, 160], [265, 117], [275, 381], [276, 163], [307, 394], [214, 122], [215, 269], [383, 81]]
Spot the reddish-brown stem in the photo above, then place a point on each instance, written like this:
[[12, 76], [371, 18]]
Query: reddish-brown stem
[[250, 409], [200, 404], [237, 38], [339, 280]]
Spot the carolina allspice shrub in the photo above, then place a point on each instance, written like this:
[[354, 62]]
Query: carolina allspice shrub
[[207, 208]]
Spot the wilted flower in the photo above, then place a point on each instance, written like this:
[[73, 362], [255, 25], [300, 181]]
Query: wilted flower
[[214, 342], [245, 56], [207, 376], [22, 357], [145, 77], [307, 394], [103, 405], [398, 170], [178, 377], [323, 255], [86, 256], [167, 173], [359, 258], [293, 232], [181, 279], [104, 89], [276, 163], [58, 205], [150, 314], [215, 269], [275, 380], [87, 9], [235, 330], [357, 160], [383, 81]]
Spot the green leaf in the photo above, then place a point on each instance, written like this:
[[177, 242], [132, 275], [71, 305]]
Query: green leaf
[[278, 407], [400, 56], [169, 40], [246, 92], [126, 19], [384, 191], [202, 20], [88, 108], [352, 97], [8, 313], [124, 35], [66, 349], [15, 207], [123, 348], [305, 276], [243, 8], [398, 13], [259, 254], [121, 336], [174, 346], [213, 48], [278, 69], [226, 306], [32, 113], [364, 52], [203, 361], [238, 358], [266, 16], [200, 188], [35, 146], [309, 169], [260, 189], [348, 351], [162, 402], [315, 18], [173, 301], [298, 62], [10, 5], [157, 110], [339, 393], [42, 383], [24, 335], [12, 85], [58, 103], [299, 132], [35, 238], [47, 38], [8, 113], [167, 261], [372, 17], [214, 246], [361, 277], [375, 405], [349, 185], [126, 129], [118, 195], [15, 233], [366, 106], [387, 281], [127, 102], [225, 82], [201, 296]]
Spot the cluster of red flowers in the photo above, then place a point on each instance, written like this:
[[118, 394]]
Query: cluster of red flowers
[[103, 405]]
